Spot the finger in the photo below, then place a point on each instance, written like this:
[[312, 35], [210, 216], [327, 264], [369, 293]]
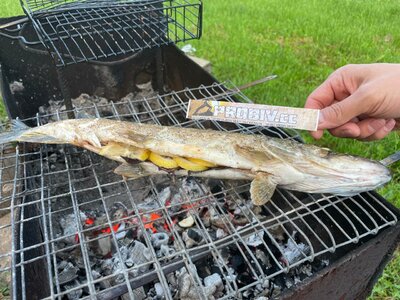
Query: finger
[[381, 133], [342, 112], [332, 89], [369, 127], [348, 130], [317, 134]]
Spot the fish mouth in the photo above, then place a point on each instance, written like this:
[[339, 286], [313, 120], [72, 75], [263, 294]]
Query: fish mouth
[[370, 180], [345, 182]]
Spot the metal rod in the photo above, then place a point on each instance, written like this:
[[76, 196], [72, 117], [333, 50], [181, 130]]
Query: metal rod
[[13, 23], [391, 159], [256, 82]]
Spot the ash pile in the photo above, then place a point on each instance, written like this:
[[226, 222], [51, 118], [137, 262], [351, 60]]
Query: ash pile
[[163, 229], [92, 106]]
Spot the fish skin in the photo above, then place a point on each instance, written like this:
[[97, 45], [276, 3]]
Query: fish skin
[[286, 163]]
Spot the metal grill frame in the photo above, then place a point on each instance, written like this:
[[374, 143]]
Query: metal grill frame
[[41, 6], [364, 214], [82, 31]]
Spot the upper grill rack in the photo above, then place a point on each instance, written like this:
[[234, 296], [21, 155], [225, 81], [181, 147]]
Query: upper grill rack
[[79, 31], [81, 181], [40, 6]]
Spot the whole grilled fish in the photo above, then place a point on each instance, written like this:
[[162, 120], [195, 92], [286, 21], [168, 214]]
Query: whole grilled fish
[[267, 162]]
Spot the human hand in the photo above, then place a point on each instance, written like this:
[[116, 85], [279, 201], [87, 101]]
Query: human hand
[[358, 101]]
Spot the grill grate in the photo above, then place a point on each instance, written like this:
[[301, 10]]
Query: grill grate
[[79, 31], [50, 183]]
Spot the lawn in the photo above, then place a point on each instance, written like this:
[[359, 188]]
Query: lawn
[[302, 43]]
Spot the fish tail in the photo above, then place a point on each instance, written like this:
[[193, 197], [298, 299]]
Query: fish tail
[[18, 129], [22, 133]]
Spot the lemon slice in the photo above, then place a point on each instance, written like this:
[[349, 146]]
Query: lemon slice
[[201, 162], [112, 149], [162, 161], [188, 165], [117, 149], [138, 153]]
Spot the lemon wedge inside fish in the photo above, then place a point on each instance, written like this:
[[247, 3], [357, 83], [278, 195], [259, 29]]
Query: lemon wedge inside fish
[[117, 149], [201, 162], [163, 161], [189, 165]]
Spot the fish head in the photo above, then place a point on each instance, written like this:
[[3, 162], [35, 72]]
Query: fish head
[[341, 174], [356, 174]]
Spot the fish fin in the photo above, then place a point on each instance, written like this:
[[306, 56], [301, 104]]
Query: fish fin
[[138, 170], [18, 125], [133, 139], [262, 188], [22, 133], [18, 128], [259, 158]]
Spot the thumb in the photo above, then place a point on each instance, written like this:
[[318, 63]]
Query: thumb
[[341, 112]]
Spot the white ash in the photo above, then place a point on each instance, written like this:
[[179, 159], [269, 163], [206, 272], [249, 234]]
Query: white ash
[[220, 233], [102, 246], [256, 239], [293, 252], [159, 239], [138, 294], [192, 237], [214, 281], [263, 258], [16, 87], [75, 294], [140, 255], [231, 276], [69, 227], [84, 104], [190, 291], [67, 273], [159, 289], [192, 188], [136, 257], [165, 251], [121, 232]]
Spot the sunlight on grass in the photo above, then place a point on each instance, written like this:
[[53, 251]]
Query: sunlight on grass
[[10, 8]]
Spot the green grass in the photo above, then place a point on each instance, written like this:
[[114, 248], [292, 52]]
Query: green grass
[[9, 8], [302, 42]]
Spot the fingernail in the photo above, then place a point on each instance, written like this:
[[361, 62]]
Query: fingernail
[[376, 124], [390, 125]]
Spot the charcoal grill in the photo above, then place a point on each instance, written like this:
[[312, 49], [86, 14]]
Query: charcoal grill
[[297, 246]]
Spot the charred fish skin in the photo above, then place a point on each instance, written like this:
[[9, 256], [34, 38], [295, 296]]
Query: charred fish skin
[[267, 162]]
